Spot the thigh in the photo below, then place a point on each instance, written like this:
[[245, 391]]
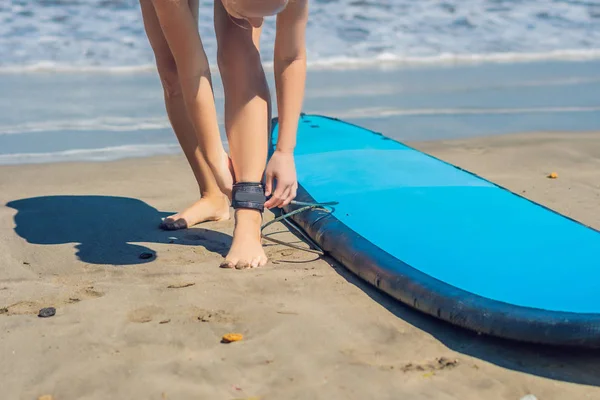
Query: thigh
[[179, 24], [236, 34], [157, 39], [160, 47]]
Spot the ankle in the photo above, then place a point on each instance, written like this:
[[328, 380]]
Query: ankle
[[247, 217], [213, 195]]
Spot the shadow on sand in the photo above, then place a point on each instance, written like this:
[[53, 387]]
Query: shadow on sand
[[104, 228]]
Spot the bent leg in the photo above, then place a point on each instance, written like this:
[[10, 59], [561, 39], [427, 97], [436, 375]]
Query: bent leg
[[247, 116], [213, 205], [179, 27]]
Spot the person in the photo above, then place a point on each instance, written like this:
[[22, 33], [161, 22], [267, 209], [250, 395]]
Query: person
[[244, 177]]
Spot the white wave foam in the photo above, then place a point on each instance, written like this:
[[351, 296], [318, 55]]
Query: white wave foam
[[103, 154], [353, 91], [377, 112], [113, 124], [53, 67], [393, 60], [394, 88], [386, 60]]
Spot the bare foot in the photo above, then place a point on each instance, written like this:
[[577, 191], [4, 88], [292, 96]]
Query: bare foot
[[246, 250], [206, 209]]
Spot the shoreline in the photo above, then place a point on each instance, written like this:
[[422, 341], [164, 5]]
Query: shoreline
[[94, 116], [173, 151]]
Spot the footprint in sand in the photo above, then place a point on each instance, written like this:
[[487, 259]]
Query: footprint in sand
[[439, 364], [145, 314], [218, 316], [34, 306], [155, 313], [359, 357]]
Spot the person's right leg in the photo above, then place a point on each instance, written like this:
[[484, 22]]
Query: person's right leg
[[247, 116], [213, 205]]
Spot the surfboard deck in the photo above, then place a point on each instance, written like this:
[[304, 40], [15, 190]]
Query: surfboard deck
[[446, 241]]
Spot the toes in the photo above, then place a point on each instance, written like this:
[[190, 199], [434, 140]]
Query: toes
[[169, 224], [242, 265], [259, 262], [180, 224], [164, 224]]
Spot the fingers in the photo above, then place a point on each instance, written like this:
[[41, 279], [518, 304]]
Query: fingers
[[268, 184], [291, 196], [278, 197], [283, 196]]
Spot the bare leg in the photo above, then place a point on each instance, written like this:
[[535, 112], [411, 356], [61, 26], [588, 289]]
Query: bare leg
[[247, 116], [179, 26], [213, 205]]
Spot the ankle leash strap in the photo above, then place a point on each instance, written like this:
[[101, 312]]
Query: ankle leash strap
[[248, 195]]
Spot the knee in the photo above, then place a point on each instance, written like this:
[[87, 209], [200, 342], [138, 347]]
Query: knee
[[169, 77], [234, 58], [226, 59]]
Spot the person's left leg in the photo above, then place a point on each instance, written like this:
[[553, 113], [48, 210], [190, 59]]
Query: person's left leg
[[247, 123], [213, 204]]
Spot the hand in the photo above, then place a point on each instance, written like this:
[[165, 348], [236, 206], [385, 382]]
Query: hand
[[281, 167]]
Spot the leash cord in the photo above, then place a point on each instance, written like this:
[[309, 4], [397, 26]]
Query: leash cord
[[284, 217]]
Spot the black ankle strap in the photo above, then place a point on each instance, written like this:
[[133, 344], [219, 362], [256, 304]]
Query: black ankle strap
[[249, 195]]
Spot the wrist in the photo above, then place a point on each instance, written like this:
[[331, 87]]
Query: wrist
[[286, 142], [284, 150]]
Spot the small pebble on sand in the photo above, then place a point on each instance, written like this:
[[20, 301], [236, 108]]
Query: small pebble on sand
[[47, 312], [232, 337]]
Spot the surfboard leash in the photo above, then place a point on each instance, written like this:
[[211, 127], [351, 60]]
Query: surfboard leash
[[284, 217]]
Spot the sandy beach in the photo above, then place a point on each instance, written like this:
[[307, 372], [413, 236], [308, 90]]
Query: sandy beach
[[131, 328]]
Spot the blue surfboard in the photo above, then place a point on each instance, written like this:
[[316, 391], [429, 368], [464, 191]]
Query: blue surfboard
[[445, 241]]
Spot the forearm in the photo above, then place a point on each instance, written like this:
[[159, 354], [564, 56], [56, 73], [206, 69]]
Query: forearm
[[290, 79]]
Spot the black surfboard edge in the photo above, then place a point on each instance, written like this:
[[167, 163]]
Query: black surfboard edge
[[434, 297]]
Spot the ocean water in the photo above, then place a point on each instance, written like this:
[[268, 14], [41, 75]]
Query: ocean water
[[105, 34], [78, 80]]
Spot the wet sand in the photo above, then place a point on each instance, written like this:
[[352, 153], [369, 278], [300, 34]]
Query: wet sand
[[127, 327]]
